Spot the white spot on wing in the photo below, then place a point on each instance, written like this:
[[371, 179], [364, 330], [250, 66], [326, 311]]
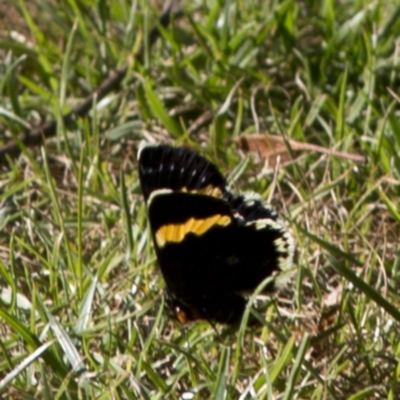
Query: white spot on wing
[[284, 245], [251, 197]]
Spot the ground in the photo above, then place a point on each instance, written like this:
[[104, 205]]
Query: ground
[[82, 308]]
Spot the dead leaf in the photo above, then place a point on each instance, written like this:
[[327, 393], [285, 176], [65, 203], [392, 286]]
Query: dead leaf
[[270, 147]]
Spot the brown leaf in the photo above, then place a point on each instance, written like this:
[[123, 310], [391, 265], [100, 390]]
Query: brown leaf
[[270, 147]]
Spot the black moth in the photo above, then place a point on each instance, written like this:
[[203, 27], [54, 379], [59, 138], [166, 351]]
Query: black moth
[[213, 246]]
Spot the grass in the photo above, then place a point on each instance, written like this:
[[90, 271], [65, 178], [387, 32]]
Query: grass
[[81, 312]]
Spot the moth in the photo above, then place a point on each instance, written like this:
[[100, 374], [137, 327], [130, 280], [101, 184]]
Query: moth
[[213, 246]]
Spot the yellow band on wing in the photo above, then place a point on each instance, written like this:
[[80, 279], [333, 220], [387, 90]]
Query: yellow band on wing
[[177, 232], [208, 190]]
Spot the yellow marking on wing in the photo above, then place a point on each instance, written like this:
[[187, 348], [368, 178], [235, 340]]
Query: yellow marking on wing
[[177, 232], [208, 190]]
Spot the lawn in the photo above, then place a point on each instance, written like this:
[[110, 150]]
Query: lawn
[[298, 101]]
